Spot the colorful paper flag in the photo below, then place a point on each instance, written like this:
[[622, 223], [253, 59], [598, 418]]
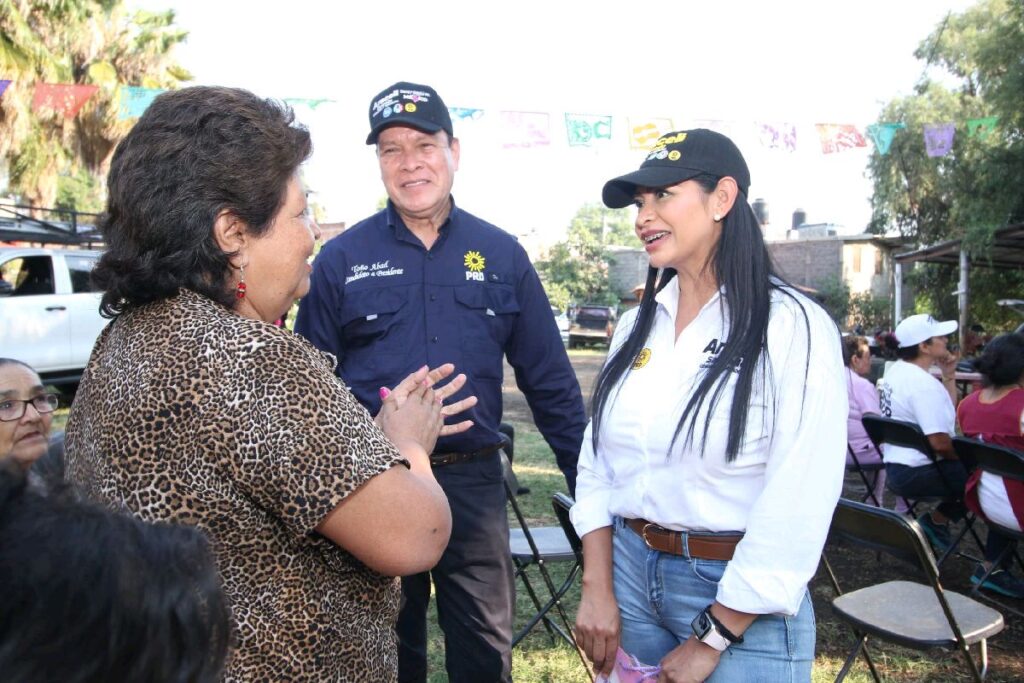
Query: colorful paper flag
[[584, 130], [938, 139], [466, 113], [312, 103], [643, 133], [525, 129], [975, 127], [61, 98], [836, 137], [3, 86], [777, 135], [882, 134], [135, 101]]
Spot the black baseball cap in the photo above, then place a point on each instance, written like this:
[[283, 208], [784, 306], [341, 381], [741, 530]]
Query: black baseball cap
[[408, 104], [677, 157]]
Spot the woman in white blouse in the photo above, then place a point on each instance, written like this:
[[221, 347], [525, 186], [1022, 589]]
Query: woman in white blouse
[[716, 453]]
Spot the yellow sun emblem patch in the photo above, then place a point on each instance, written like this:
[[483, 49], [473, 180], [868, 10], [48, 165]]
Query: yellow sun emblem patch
[[642, 358], [474, 261]]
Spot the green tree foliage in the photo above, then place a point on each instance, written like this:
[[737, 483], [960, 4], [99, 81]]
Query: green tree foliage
[[576, 269], [870, 312], [834, 295], [974, 189], [91, 42]]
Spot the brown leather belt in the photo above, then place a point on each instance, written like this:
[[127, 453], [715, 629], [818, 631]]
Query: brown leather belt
[[698, 546], [442, 459]]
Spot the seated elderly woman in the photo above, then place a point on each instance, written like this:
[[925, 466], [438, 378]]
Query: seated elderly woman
[[25, 413], [194, 408], [92, 596], [863, 400]]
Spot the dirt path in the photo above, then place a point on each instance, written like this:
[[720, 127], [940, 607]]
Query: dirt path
[[586, 363]]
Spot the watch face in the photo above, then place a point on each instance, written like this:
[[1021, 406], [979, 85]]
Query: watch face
[[702, 624]]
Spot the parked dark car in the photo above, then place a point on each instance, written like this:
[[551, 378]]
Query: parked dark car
[[591, 324]]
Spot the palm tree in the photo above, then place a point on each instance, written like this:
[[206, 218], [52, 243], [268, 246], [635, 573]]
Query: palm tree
[[91, 42]]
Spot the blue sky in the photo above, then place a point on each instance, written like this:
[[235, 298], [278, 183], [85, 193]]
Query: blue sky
[[803, 62]]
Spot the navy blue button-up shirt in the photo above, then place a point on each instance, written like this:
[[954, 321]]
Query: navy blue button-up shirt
[[385, 306]]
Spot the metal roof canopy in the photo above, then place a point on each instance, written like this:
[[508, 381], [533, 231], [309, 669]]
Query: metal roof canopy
[[1006, 252]]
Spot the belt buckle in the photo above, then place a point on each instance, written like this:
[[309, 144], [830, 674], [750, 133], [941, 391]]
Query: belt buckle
[[643, 534]]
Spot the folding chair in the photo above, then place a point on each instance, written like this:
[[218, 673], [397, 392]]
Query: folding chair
[[907, 434], [915, 615], [863, 469], [1002, 462], [538, 546], [562, 504]]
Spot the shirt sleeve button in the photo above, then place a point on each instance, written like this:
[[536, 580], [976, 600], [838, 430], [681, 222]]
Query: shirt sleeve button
[[433, 339]]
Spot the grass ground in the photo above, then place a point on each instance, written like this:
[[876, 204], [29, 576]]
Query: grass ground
[[538, 660]]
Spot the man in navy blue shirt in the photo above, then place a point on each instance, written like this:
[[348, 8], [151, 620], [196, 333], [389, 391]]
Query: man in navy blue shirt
[[423, 282]]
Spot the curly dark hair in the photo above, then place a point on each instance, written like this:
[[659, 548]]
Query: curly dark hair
[[193, 154]]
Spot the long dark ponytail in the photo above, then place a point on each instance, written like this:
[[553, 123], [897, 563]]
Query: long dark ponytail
[[743, 269]]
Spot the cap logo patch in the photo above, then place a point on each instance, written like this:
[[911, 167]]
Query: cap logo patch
[[384, 102], [410, 107], [669, 140], [674, 155]]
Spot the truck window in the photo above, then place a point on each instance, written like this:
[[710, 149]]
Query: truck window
[[80, 267], [29, 275]]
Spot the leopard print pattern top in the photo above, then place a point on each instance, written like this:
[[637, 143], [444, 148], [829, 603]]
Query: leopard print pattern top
[[190, 413]]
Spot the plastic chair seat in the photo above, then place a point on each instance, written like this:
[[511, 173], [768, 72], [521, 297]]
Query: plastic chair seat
[[550, 540], [907, 613]]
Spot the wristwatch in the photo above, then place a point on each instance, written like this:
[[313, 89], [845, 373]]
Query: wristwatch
[[711, 632]]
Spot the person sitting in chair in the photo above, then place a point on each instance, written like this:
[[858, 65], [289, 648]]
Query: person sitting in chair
[[910, 393]]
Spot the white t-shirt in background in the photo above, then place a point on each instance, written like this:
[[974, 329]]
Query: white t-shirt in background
[[911, 394]]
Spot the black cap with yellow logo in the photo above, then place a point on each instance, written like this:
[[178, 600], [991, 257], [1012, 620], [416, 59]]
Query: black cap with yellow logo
[[677, 157]]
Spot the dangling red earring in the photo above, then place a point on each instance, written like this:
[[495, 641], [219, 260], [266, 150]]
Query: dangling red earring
[[240, 289]]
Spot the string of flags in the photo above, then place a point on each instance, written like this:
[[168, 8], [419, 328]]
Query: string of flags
[[526, 129]]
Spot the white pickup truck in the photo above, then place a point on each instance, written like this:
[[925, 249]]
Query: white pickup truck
[[49, 311]]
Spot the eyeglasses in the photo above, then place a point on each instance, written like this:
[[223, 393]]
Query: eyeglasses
[[12, 409]]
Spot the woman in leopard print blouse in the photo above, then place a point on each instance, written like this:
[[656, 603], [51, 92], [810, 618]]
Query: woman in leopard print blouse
[[196, 409]]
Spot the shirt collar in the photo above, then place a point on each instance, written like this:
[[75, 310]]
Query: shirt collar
[[403, 233], [668, 298]]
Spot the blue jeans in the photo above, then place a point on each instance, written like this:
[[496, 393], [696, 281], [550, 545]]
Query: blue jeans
[[660, 594]]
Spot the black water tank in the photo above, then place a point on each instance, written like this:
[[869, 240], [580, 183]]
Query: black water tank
[[799, 218], [760, 207]]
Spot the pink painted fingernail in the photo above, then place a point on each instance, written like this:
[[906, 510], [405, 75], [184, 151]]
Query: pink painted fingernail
[[384, 393]]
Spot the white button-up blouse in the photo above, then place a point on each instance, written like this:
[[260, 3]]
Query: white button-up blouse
[[783, 486]]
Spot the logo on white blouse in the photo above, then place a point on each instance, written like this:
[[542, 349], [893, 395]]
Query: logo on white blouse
[[642, 358], [712, 350]]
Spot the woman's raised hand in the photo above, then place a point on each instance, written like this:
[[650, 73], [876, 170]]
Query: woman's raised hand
[[414, 421], [411, 383]]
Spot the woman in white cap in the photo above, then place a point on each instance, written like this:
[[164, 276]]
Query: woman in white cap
[[715, 457], [909, 392]]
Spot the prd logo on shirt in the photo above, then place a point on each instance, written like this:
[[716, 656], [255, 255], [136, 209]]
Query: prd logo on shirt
[[475, 262]]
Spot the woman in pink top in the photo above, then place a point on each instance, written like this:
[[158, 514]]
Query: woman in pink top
[[863, 399]]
